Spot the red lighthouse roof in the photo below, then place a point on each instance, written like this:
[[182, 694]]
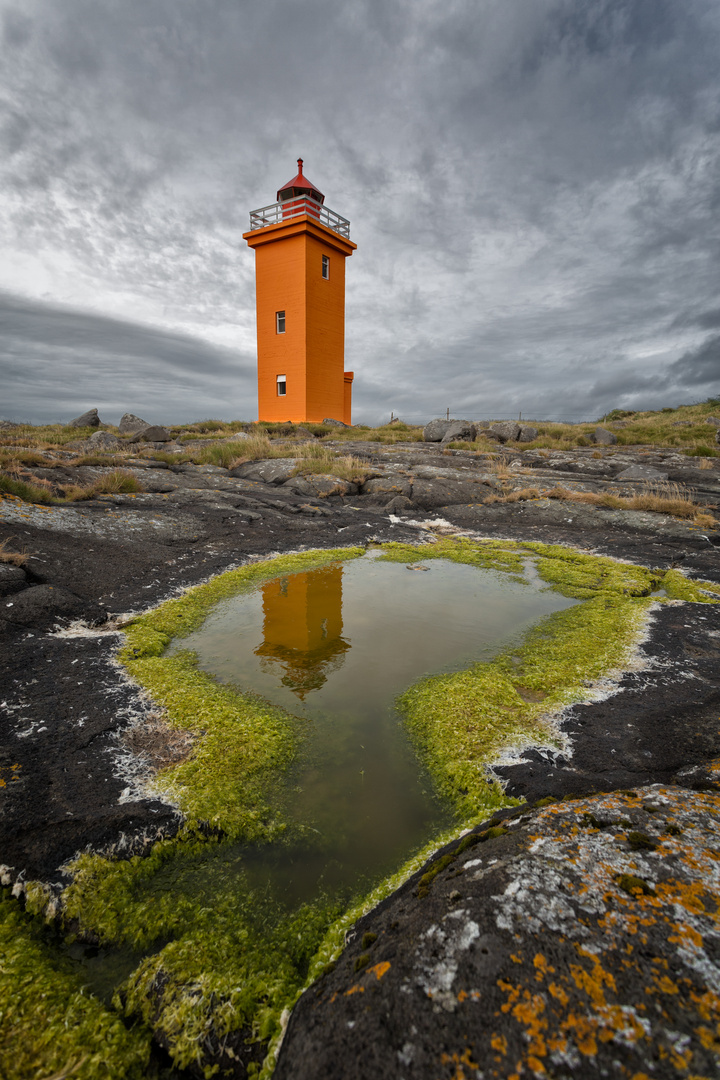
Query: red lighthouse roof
[[299, 185]]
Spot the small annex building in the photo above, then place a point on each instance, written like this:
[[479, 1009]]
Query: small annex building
[[300, 250]]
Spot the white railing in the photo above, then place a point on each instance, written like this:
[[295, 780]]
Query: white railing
[[279, 212]]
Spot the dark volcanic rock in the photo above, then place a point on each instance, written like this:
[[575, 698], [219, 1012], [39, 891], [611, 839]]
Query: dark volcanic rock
[[444, 492], [88, 419], [518, 952], [12, 579], [42, 606]]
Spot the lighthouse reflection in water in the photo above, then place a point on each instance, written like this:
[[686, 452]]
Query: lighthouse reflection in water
[[334, 647], [302, 628]]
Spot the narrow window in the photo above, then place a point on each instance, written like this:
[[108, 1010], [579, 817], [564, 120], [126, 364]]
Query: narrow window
[[326, 266], [281, 386], [279, 322]]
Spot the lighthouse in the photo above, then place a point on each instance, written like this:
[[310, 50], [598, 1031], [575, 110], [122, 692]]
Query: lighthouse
[[300, 250]]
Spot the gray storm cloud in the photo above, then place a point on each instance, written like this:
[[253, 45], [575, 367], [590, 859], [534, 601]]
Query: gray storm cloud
[[532, 184]]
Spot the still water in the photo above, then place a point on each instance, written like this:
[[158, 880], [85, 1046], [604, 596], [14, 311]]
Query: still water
[[335, 647]]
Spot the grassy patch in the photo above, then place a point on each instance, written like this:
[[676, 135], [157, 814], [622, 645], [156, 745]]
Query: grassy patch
[[48, 1022], [113, 483], [28, 492]]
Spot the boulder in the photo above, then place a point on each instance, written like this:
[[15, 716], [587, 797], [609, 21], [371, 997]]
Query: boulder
[[717, 436], [272, 471], [151, 433], [302, 433], [527, 433], [129, 423], [336, 423], [459, 431], [8, 425], [320, 486], [88, 419], [42, 606], [641, 472], [392, 484], [12, 579], [683, 423], [504, 431], [435, 430], [712, 420], [603, 437], [103, 440]]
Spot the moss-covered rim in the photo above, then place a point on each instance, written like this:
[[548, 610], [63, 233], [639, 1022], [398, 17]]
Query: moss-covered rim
[[227, 964]]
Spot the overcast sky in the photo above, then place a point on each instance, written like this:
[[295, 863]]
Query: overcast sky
[[533, 186]]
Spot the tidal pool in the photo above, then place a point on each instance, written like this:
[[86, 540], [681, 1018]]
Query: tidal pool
[[335, 646]]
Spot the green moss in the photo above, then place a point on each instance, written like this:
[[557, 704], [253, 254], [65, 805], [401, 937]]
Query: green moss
[[432, 872], [485, 554], [640, 841], [635, 886], [48, 1022]]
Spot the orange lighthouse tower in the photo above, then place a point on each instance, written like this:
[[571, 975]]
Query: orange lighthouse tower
[[300, 250]]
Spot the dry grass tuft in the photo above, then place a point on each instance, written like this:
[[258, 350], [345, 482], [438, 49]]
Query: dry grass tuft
[[521, 495], [662, 498], [13, 558], [160, 744]]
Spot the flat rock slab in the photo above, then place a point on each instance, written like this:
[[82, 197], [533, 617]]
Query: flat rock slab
[[575, 941], [109, 522]]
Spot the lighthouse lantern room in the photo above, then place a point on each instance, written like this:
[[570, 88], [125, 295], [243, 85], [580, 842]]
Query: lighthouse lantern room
[[300, 250]]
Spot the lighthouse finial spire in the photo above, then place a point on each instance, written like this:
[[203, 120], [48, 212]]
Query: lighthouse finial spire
[[300, 165]]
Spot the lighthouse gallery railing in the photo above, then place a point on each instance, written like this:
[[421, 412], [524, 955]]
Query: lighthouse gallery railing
[[279, 212]]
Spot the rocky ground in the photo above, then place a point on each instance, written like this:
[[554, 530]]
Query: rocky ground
[[527, 956]]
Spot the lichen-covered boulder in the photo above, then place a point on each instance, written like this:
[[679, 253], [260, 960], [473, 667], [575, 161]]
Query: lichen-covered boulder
[[151, 433], [435, 430], [103, 440], [272, 471], [504, 431], [527, 433], [459, 431], [129, 423], [603, 437], [573, 941], [88, 419]]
